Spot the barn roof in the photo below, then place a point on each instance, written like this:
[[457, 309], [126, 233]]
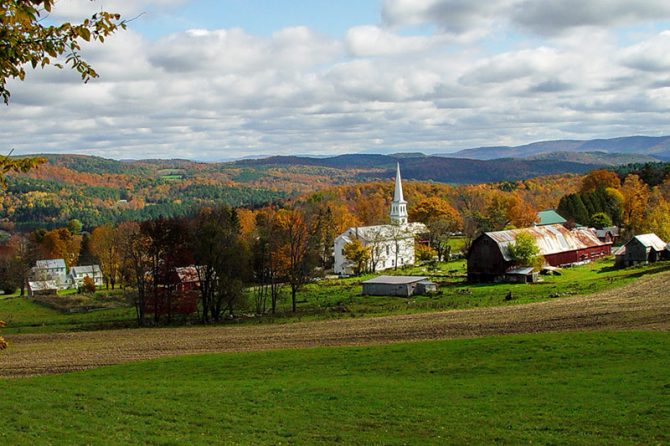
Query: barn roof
[[550, 239], [650, 241], [188, 274], [395, 280]]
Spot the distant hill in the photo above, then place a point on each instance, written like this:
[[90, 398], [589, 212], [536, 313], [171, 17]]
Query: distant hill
[[604, 158], [431, 168], [655, 146]]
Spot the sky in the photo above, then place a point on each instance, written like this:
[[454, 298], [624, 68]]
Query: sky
[[215, 80]]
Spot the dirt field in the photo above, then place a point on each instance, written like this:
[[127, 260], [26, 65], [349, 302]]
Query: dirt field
[[644, 304]]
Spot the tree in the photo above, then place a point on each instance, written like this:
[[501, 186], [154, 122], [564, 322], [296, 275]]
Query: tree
[[358, 254], [104, 244], [88, 286], [299, 248], [26, 39], [600, 179], [601, 220], [74, 226], [442, 221], [135, 263], [424, 253], [223, 260], [61, 244], [524, 250], [635, 196]]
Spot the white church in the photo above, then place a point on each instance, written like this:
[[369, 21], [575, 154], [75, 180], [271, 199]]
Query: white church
[[390, 246]]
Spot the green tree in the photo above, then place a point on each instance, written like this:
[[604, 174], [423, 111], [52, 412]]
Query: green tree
[[524, 250], [600, 220]]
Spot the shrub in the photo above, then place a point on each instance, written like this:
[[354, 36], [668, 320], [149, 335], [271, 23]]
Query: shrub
[[424, 253], [88, 286], [3, 343]]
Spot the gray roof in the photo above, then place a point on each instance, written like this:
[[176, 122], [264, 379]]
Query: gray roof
[[87, 269], [42, 285], [651, 241], [50, 264], [524, 271], [396, 280]]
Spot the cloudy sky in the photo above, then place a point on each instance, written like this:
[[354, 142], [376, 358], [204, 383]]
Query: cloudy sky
[[218, 79]]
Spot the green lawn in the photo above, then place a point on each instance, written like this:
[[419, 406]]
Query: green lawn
[[340, 298], [570, 388]]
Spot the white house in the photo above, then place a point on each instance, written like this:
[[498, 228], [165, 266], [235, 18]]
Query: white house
[[51, 270], [78, 273], [390, 245]]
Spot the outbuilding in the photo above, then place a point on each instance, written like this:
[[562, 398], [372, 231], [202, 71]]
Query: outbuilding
[[404, 286], [489, 259], [641, 249], [43, 288]]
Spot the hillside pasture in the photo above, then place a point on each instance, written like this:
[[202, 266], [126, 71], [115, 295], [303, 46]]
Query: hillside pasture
[[559, 389], [341, 298], [640, 305]]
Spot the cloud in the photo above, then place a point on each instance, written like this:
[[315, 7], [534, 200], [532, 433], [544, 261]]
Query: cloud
[[220, 93]]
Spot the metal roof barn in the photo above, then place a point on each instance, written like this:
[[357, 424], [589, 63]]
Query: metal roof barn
[[489, 256]]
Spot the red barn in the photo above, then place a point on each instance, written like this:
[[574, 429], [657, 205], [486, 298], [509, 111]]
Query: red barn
[[489, 258], [185, 281]]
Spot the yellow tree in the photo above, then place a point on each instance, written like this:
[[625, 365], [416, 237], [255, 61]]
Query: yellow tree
[[104, 245], [357, 254], [62, 244], [657, 215], [600, 179], [635, 196]]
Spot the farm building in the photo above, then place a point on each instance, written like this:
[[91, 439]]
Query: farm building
[[609, 234], [645, 248], [549, 217], [53, 269], [404, 286], [489, 258], [43, 288], [78, 273]]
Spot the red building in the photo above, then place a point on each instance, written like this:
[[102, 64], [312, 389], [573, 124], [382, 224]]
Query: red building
[[489, 259]]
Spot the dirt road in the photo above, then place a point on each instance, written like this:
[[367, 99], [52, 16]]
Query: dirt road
[[644, 304]]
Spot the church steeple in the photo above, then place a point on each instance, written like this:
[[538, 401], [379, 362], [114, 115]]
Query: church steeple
[[399, 205]]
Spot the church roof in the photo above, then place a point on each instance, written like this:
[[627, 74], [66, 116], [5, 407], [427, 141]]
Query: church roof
[[384, 232], [397, 194]]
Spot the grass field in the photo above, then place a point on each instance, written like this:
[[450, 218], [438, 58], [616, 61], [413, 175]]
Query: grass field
[[570, 388], [340, 298]]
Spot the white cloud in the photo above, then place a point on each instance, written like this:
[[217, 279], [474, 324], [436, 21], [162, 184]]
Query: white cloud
[[217, 93]]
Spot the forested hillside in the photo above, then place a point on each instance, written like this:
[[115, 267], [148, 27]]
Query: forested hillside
[[97, 190]]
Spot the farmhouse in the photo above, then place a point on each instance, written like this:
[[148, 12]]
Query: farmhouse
[[644, 248], [489, 257], [78, 273], [404, 286], [390, 246], [51, 270]]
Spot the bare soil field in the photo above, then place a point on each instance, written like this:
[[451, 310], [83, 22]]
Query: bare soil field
[[643, 305]]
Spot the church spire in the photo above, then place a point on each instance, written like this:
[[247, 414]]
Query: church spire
[[399, 205]]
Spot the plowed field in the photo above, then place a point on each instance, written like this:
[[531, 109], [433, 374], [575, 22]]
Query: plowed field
[[644, 304]]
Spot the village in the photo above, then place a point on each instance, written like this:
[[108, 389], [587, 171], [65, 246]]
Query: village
[[373, 262]]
